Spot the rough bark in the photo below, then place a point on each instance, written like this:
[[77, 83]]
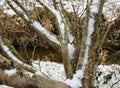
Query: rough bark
[[36, 81], [64, 44], [66, 61], [89, 75], [97, 40]]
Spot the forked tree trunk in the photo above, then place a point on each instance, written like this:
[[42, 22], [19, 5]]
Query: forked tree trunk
[[92, 62], [97, 39]]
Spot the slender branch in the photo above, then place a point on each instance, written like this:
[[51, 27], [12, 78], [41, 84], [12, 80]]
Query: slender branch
[[16, 1], [108, 28], [50, 38], [14, 56], [115, 83], [23, 15]]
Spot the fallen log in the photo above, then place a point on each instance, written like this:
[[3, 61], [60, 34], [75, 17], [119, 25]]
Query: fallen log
[[24, 81]]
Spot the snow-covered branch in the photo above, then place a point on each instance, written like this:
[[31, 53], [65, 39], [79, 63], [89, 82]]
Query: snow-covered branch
[[62, 24], [94, 7], [44, 31], [14, 58], [17, 9], [20, 11], [66, 37]]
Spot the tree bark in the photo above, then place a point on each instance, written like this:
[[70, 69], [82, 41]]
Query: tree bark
[[89, 75], [18, 81]]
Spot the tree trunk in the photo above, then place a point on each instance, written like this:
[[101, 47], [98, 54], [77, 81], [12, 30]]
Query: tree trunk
[[88, 80], [66, 61]]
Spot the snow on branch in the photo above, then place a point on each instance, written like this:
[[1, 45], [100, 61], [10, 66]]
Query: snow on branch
[[37, 25], [76, 82], [12, 56], [64, 21], [50, 36], [62, 24], [18, 9]]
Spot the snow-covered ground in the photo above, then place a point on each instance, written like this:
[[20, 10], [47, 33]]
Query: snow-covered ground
[[106, 75], [51, 69], [4, 86]]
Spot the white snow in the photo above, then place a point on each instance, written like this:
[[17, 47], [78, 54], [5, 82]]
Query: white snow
[[78, 78], [9, 12], [28, 73], [10, 54], [6, 9], [94, 7], [10, 72], [56, 71], [62, 30], [104, 71], [70, 37], [78, 5], [76, 81], [8, 51], [111, 9], [4, 86], [50, 36], [38, 72], [53, 69], [19, 9], [50, 69], [71, 50], [15, 5]]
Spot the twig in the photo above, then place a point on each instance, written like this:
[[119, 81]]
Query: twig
[[33, 53], [115, 83], [109, 26]]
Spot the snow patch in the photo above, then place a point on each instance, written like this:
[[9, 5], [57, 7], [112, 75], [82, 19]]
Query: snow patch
[[28, 73], [107, 75], [51, 69], [76, 81], [71, 51], [94, 6], [5, 86], [10, 72]]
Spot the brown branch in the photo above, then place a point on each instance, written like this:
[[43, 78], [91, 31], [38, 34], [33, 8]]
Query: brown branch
[[54, 45], [17, 12], [17, 55], [23, 81], [108, 28], [17, 2]]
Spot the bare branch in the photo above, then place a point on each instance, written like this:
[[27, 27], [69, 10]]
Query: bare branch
[[21, 13], [43, 31], [12, 53], [115, 83]]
